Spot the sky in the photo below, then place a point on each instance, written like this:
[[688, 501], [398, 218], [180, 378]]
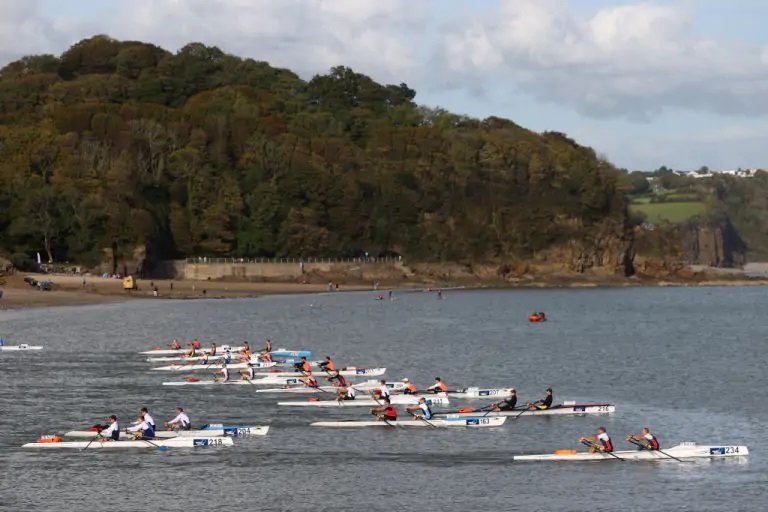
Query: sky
[[681, 83]]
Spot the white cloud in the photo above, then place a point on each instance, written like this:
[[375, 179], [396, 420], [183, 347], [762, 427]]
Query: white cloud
[[305, 36], [631, 60]]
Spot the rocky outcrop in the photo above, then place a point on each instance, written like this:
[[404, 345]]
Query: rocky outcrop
[[717, 245]]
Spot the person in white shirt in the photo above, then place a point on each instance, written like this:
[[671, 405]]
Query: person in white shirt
[[248, 373], [142, 429], [144, 413], [422, 408], [221, 375], [112, 432], [382, 391], [181, 421], [347, 393]]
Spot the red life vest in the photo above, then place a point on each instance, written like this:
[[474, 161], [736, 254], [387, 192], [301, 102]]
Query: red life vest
[[390, 413]]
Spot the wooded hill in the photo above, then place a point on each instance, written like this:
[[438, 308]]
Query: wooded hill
[[119, 144]]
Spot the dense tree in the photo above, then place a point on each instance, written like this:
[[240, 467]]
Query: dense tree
[[119, 144]]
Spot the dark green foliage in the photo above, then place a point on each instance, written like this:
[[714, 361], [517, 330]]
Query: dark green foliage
[[117, 144]]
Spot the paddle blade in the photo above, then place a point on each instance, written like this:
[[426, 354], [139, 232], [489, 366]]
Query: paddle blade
[[162, 448], [466, 409]]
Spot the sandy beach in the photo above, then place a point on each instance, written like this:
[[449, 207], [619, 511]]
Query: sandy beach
[[71, 291]]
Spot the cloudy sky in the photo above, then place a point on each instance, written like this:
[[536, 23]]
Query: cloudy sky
[[680, 83]]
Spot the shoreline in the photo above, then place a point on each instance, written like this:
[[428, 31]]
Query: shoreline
[[73, 291]]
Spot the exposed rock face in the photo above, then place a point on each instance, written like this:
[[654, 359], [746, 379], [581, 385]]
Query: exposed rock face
[[603, 249], [666, 250], [714, 246]]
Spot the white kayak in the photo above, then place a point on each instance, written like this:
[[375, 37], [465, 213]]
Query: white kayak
[[15, 348], [177, 442], [480, 393], [556, 410], [159, 434], [683, 451], [350, 371], [476, 421], [212, 366], [436, 400], [183, 351], [366, 386]]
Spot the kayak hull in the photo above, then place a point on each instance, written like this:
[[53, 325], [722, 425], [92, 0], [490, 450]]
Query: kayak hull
[[475, 422], [178, 442], [560, 410], [684, 451], [367, 402]]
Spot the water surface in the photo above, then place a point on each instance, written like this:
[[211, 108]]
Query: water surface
[[689, 363]]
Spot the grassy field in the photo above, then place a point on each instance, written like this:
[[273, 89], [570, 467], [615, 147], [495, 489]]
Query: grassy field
[[657, 213]]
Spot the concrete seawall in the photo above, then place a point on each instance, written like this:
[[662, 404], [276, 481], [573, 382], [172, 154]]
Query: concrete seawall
[[280, 271]]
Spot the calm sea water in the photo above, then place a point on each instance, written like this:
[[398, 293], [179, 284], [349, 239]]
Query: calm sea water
[[689, 363]]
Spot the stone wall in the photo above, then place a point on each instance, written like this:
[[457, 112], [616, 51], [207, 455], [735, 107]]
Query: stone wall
[[295, 271]]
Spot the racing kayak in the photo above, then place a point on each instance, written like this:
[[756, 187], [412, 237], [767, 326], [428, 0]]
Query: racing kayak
[[300, 387], [183, 351], [475, 421], [349, 371], [237, 430], [480, 393], [212, 430], [683, 451], [298, 354], [177, 442], [15, 348], [435, 400], [159, 434], [212, 366], [555, 410], [365, 387]]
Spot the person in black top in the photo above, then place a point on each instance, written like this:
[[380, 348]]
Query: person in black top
[[508, 404], [545, 403]]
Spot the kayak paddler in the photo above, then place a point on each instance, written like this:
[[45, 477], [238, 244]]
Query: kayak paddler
[[544, 403], [598, 443], [386, 412], [180, 422], [382, 391], [327, 365], [508, 404], [438, 387], [247, 350], [144, 416], [112, 432], [337, 379], [422, 410], [221, 375], [410, 387], [142, 429], [248, 373], [644, 440], [347, 393], [175, 345], [192, 351], [268, 347], [212, 350], [304, 366]]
